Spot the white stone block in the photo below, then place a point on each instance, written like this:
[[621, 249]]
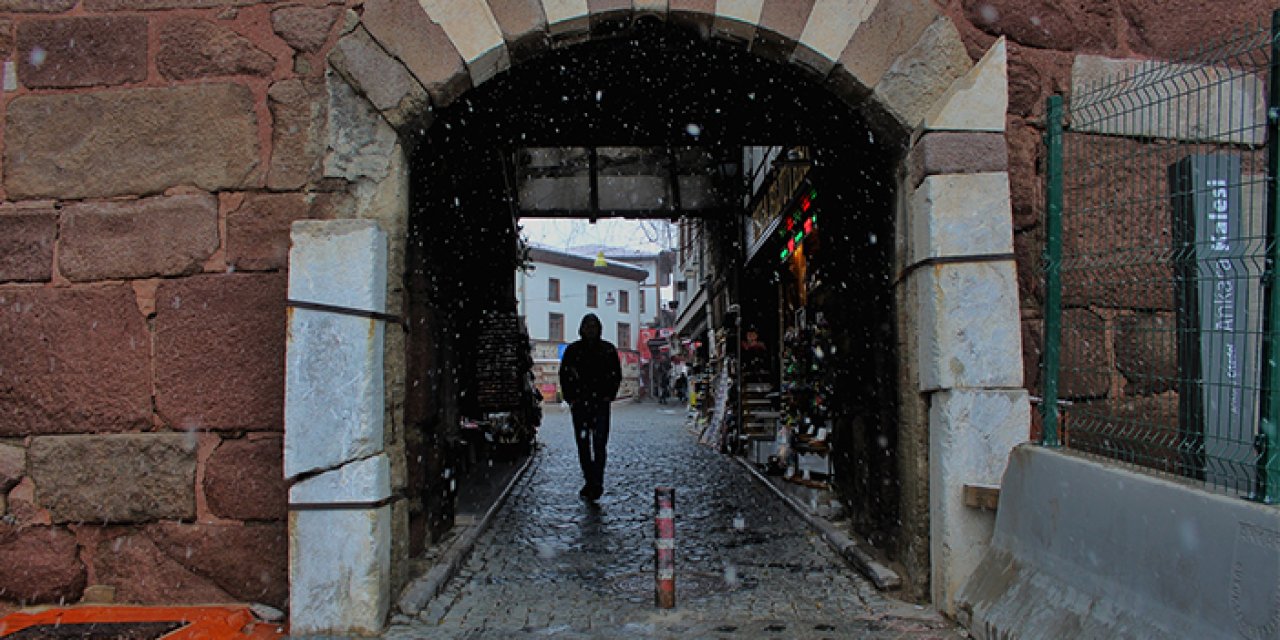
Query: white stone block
[[917, 78], [959, 215], [339, 571], [832, 23], [475, 32], [978, 101], [334, 362], [1155, 99], [968, 325], [361, 481], [359, 139], [970, 436], [565, 15]]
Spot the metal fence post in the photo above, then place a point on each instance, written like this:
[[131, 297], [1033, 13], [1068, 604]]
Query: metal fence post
[[1053, 273], [1268, 441]]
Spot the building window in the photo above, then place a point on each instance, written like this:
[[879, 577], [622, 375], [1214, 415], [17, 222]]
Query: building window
[[642, 302], [624, 335], [555, 327], [591, 296], [624, 302], [553, 289]]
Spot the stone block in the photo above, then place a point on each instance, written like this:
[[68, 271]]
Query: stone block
[[523, 26], [359, 140], [219, 352], [193, 48], [1049, 24], [971, 434], [1026, 183], [258, 231], [339, 571], [298, 114], [407, 32], [244, 480], [129, 560], [1197, 103], [26, 245], [79, 361], [887, 32], [959, 215], [384, 80], [569, 19], [360, 481], [135, 477], [942, 152], [334, 387], [65, 53], [1147, 352], [737, 20], [1172, 28], [471, 27], [42, 565], [249, 562], [13, 465], [305, 28], [37, 6], [204, 135], [968, 326], [1085, 365], [1034, 75], [979, 100], [152, 5], [162, 236], [827, 32], [923, 74]]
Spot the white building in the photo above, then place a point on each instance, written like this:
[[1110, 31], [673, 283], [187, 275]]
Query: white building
[[561, 289], [656, 290]]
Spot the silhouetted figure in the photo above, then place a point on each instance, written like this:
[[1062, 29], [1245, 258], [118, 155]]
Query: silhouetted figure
[[589, 378]]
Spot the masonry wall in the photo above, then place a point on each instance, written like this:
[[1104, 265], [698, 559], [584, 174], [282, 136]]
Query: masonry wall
[[154, 154]]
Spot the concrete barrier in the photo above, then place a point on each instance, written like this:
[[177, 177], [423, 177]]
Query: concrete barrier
[[1087, 549]]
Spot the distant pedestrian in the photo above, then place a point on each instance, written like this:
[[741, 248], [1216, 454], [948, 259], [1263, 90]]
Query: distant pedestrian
[[589, 378]]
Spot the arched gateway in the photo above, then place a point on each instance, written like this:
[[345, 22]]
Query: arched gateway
[[897, 66]]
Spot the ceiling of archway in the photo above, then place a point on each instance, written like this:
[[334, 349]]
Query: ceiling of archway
[[656, 84]]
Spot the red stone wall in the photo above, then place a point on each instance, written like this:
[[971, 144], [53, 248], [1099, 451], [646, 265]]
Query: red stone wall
[[154, 155], [1044, 36]]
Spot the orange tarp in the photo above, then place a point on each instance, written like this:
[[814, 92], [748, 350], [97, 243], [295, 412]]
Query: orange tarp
[[198, 623]]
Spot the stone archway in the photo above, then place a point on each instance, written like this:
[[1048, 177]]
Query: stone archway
[[900, 64]]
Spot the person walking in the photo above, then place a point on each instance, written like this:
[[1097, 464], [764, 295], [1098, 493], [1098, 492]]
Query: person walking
[[589, 379]]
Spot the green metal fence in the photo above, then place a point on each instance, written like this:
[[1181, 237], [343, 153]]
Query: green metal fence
[[1162, 322]]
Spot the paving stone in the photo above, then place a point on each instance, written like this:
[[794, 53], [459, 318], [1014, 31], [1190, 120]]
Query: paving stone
[[551, 565]]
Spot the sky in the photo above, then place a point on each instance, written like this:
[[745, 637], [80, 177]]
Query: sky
[[562, 233]]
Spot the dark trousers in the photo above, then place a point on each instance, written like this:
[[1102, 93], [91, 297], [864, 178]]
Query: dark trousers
[[591, 431]]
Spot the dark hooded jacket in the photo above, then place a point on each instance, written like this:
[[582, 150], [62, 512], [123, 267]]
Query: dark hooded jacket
[[589, 370]]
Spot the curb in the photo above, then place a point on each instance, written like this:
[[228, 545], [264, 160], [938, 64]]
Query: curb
[[882, 576], [415, 595]]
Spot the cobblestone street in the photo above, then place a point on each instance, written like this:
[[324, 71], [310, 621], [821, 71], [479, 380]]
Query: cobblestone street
[[553, 565]]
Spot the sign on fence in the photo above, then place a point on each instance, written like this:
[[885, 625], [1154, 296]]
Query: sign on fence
[[1219, 311]]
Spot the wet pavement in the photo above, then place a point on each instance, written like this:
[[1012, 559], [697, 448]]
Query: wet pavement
[[554, 565]]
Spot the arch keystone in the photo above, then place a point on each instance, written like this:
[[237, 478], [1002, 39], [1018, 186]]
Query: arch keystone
[[979, 100]]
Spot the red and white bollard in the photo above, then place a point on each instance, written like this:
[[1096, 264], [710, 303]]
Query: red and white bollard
[[664, 545]]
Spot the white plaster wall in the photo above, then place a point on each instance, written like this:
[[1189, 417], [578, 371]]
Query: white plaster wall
[[531, 288]]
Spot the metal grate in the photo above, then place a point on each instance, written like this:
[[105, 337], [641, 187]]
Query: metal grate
[[1160, 225]]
